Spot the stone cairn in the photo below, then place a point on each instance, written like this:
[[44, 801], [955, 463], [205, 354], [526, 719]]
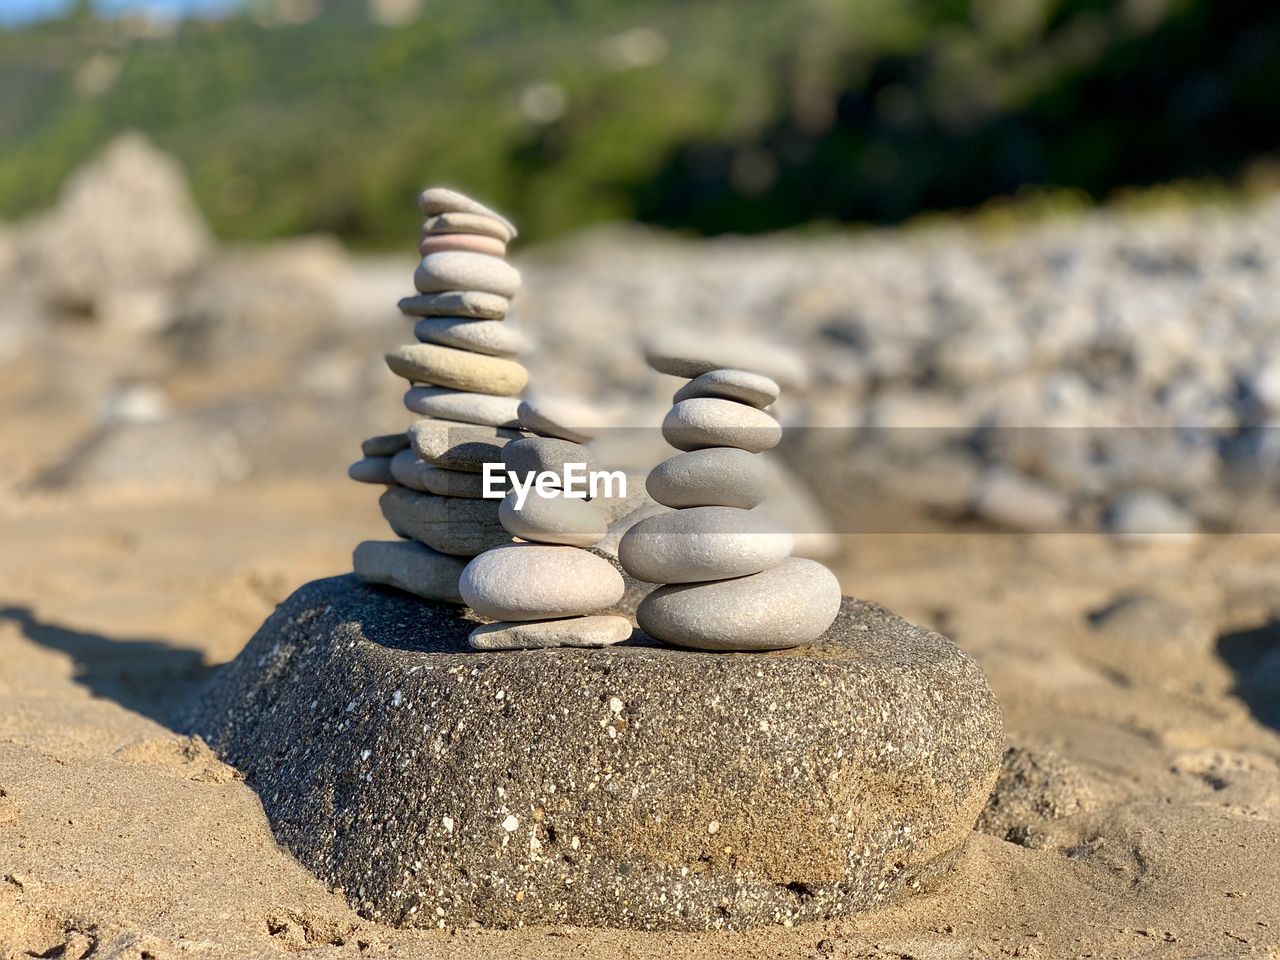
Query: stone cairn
[[464, 383], [729, 580]]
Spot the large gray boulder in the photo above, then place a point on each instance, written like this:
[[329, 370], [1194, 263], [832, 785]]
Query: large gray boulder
[[634, 786]]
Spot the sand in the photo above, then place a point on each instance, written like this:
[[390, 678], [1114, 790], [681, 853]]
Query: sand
[[120, 838]]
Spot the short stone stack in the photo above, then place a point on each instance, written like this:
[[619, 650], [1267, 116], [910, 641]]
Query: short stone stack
[[545, 588], [465, 383], [729, 580]]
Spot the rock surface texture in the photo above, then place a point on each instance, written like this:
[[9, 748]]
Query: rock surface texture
[[464, 381], [631, 786], [730, 582]]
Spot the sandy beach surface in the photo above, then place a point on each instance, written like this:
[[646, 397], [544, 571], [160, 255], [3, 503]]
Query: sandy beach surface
[[121, 838]]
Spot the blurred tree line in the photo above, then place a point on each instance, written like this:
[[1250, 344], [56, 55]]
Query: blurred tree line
[[716, 115]]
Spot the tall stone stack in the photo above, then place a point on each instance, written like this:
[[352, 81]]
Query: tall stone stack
[[464, 381], [544, 588], [729, 580]]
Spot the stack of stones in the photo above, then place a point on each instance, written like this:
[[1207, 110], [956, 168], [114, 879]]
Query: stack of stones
[[544, 588], [729, 580], [464, 382]]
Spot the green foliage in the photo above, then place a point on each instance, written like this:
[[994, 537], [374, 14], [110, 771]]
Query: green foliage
[[719, 115]]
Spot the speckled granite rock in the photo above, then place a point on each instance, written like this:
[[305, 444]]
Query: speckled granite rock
[[635, 786]]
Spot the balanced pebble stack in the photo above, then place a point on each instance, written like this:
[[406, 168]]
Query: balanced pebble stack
[[729, 580], [544, 589], [464, 381]]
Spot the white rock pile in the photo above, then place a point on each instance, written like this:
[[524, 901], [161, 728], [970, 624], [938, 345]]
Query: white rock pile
[[729, 580], [465, 383]]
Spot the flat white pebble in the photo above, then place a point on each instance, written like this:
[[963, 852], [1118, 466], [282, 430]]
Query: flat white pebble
[[602, 630], [702, 543], [496, 338], [556, 519], [711, 477], [534, 581], [741, 385], [439, 200], [456, 221], [711, 422], [788, 605], [457, 303], [461, 270], [458, 405]]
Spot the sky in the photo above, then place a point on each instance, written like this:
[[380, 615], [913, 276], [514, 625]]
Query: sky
[[23, 11]]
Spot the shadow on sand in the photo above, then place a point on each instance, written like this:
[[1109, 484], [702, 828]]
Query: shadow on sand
[[1254, 657], [146, 675]]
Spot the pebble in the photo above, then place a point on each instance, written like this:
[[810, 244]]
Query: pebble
[[702, 543], [711, 422], [459, 446], [495, 338], [457, 303], [372, 470], [689, 355], [384, 445], [437, 200], [787, 605], [533, 455], [459, 270], [715, 476], [474, 223], [459, 369], [455, 525], [533, 581], [565, 419], [1149, 513], [601, 630], [467, 242], [1011, 500], [743, 386], [562, 520], [411, 567], [478, 408], [416, 474]]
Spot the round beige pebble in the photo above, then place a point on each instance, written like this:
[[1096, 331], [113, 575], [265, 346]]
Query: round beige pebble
[[384, 445], [457, 303], [409, 566], [474, 223], [702, 543], [409, 471], [744, 386], [788, 605], [459, 270], [556, 519], [711, 422], [496, 338], [372, 470], [534, 455], [712, 477], [602, 630], [454, 525], [468, 242], [459, 369], [438, 200], [458, 405], [534, 581], [459, 446]]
